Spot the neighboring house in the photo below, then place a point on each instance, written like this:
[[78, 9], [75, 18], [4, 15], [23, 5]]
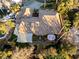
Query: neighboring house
[[6, 3]]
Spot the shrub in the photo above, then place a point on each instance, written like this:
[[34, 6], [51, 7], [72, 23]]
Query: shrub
[[5, 27], [15, 8], [76, 20], [55, 57], [5, 55], [67, 25]]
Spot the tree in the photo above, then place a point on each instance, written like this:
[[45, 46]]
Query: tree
[[5, 27]]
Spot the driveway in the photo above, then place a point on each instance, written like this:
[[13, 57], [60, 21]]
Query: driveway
[[34, 5]]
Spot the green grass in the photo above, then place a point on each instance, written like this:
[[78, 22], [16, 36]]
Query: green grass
[[13, 38], [38, 38]]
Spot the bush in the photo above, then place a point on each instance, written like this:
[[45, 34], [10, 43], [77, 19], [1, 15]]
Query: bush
[[76, 20], [55, 57], [5, 27], [15, 8], [5, 54], [67, 25]]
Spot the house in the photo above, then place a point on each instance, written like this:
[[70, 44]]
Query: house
[[47, 22]]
